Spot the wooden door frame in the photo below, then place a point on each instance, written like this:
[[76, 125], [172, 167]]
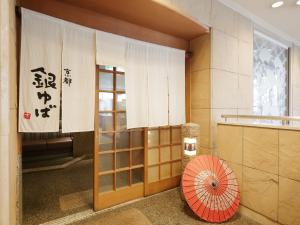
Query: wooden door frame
[[133, 191], [96, 142]]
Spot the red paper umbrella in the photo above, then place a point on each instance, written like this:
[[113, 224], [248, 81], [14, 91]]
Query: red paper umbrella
[[210, 188]]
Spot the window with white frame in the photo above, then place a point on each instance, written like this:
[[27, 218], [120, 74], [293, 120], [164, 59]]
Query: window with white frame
[[270, 76]]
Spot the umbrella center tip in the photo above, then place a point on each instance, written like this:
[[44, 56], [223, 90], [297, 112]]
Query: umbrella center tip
[[214, 184]]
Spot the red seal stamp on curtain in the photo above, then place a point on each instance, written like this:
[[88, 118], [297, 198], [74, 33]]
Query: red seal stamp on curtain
[[27, 115]]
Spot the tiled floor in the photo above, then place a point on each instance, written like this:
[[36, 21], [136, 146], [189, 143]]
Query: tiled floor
[[163, 209], [46, 194]]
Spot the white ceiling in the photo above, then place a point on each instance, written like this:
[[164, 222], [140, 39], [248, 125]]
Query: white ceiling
[[284, 21]]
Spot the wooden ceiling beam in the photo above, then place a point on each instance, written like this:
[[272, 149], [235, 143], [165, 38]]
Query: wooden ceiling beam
[[74, 12]]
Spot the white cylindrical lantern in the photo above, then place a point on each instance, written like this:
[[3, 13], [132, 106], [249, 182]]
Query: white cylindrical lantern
[[190, 135], [190, 148]]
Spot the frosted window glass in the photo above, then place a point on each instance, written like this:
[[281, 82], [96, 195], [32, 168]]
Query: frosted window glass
[[270, 78], [121, 102], [106, 81], [106, 101]]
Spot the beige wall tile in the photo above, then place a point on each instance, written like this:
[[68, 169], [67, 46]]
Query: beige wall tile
[[295, 65], [256, 216], [295, 79], [261, 149], [289, 154], [245, 58], [260, 192], [195, 9], [245, 92], [4, 110], [14, 136], [224, 89], [202, 117], [230, 143], [238, 172], [295, 97], [289, 201], [204, 151], [245, 111], [201, 49], [224, 51], [224, 18], [216, 117], [200, 89], [244, 29], [13, 91]]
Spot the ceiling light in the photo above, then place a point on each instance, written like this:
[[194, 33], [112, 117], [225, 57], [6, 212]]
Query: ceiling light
[[298, 2], [277, 4]]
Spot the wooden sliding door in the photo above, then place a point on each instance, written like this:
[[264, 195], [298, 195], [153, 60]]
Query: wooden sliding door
[[119, 153], [129, 164], [163, 159]]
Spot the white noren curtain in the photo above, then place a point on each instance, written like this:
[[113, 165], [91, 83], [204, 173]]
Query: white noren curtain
[[110, 49], [78, 78], [136, 84], [176, 77], [40, 73], [157, 62]]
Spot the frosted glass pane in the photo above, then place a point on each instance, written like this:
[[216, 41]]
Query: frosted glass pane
[[121, 121], [106, 122], [165, 154], [120, 82], [121, 102], [105, 162], [164, 136], [153, 138], [153, 156], [122, 159], [137, 175], [176, 135], [122, 179], [137, 139], [165, 171], [122, 140], [106, 183], [270, 77], [106, 142], [106, 81], [137, 157], [106, 101], [153, 174]]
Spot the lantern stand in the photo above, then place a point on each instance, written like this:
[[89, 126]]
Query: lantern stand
[[191, 141]]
